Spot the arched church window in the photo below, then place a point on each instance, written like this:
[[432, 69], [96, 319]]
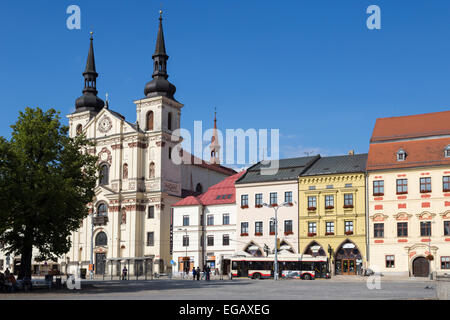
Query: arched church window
[[199, 188], [125, 171], [169, 121], [79, 129], [101, 239], [152, 170], [104, 174], [149, 125], [102, 210]]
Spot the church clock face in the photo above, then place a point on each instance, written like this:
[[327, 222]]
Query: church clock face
[[105, 125]]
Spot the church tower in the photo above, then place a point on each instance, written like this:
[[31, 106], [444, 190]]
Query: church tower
[[88, 105], [158, 115], [215, 144]]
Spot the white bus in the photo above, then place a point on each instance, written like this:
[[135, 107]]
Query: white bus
[[304, 267]]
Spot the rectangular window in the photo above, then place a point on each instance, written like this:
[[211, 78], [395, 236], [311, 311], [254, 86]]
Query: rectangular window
[[390, 261], [349, 185], [446, 228], [425, 229], [329, 202], [244, 228], [150, 239], [312, 227], [210, 220], [185, 241], [226, 219], [210, 241], [151, 212], [312, 203], [425, 185], [402, 186], [378, 188], [244, 200], [329, 228], [258, 227], [288, 197], [312, 188], [446, 184], [348, 226], [288, 226], [378, 229], [185, 221], [273, 198], [402, 229], [272, 227], [348, 200], [226, 240], [445, 262], [258, 199]]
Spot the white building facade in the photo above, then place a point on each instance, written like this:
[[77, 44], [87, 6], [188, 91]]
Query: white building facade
[[255, 224], [205, 229]]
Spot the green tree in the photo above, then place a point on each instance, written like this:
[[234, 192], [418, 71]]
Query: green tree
[[46, 182]]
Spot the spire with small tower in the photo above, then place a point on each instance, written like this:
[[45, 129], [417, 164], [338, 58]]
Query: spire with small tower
[[89, 100], [160, 86], [215, 145]]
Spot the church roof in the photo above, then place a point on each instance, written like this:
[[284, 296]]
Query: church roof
[[195, 161]]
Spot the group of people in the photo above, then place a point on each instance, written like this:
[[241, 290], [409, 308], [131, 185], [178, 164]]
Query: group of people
[[206, 273], [8, 281]]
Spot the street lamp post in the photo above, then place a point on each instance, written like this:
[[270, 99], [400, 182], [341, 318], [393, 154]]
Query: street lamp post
[[91, 264], [430, 274], [275, 219]]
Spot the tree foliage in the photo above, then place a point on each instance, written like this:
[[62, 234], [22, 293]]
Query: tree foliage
[[45, 186]]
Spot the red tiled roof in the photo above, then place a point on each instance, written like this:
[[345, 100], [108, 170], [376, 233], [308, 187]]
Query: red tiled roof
[[188, 201], [223, 188], [414, 126], [425, 152]]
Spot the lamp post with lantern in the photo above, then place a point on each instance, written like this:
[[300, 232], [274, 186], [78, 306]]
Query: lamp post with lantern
[[275, 220]]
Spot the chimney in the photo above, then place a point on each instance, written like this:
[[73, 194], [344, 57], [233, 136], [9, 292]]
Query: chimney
[[351, 153]]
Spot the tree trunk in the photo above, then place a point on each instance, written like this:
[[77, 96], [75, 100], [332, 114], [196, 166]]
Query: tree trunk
[[26, 256]]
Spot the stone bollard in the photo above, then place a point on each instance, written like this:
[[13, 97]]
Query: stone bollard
[[443, 287]]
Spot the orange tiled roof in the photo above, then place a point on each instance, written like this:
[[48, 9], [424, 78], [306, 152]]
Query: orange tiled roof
[[414, 126], [425, 152]]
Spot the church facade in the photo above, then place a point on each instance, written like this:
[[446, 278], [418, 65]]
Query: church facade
[[130, 218]]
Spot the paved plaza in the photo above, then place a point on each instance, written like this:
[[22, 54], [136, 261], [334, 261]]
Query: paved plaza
[[240, 289]]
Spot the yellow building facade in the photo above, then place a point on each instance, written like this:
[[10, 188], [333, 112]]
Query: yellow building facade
[[332, 212]]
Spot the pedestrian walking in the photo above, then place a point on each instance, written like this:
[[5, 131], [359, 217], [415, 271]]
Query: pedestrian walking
[[194, 273], [208, 272], [198, 273], [124, 273]]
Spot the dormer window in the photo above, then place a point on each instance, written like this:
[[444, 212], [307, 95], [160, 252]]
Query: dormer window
[[447, 151], [401, 155]]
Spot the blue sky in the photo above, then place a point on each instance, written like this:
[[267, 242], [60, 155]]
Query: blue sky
[[309, 68]]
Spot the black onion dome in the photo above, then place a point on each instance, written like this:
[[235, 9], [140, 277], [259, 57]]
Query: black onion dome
[[160, 87]]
